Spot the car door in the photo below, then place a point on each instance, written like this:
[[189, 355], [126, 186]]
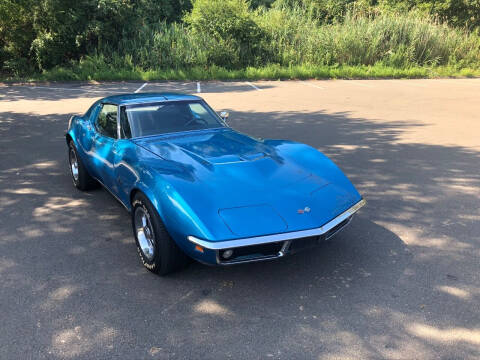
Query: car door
[[104, 145], [126, 160]]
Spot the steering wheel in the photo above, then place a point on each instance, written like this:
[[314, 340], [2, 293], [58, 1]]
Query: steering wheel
[[195, 119]]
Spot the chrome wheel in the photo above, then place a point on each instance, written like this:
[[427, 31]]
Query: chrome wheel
[[73, 164], [144, 232]]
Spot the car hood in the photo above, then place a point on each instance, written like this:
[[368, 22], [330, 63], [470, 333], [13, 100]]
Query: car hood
[[240, 186], [214, 147]]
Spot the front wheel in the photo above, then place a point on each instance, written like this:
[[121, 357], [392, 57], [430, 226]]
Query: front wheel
[[158, 251]]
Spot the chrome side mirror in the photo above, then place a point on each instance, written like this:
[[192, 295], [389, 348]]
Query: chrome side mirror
[[224, 115]]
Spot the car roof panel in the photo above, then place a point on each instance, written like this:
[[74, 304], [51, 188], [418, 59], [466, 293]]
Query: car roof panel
[[149, 97]]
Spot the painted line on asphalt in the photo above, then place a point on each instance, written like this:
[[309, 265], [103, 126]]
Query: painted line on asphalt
[[253, 86], [199, 89], [140, 88], [312, 85]]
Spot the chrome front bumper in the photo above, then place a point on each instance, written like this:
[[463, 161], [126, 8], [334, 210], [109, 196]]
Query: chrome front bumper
[[326, 231]]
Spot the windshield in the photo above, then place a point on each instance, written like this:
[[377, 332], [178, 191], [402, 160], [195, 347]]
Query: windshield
[[166, 117]]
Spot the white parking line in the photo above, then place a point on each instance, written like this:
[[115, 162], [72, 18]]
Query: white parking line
[[255, 87], [199, 89], [312, 85], [140, 88]]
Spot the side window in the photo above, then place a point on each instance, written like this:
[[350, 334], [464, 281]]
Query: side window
[[106, 122]]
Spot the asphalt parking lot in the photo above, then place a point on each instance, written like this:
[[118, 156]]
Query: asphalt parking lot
[[402, 282]]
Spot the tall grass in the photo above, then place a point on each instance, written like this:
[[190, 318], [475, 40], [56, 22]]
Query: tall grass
[[103, 71], [291, 46], [164, 46], [398, 40]]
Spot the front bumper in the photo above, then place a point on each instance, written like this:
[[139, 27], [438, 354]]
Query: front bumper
[[277, 245]]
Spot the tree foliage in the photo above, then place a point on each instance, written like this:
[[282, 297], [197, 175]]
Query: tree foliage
[[41, 34], [460, 13]]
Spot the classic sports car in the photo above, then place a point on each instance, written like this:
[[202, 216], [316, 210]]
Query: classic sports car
[[198, 189]]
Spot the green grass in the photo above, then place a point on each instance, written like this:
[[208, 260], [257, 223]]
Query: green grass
[[270, 72]]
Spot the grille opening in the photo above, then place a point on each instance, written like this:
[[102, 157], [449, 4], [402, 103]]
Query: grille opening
[[304, 243], [252, 252], [272, 250]]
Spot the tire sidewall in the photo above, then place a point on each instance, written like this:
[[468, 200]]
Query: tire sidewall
[[154, 264], [71, 147]]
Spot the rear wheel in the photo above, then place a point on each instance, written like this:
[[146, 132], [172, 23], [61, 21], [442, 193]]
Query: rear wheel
[[158, 251], [81, 178]]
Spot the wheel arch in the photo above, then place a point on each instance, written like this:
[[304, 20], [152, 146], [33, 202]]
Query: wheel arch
[[171, 216], [133, 192], [68, 138], [145, 192]]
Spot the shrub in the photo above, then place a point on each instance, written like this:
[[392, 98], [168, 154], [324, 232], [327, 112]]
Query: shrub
[[239, 40]]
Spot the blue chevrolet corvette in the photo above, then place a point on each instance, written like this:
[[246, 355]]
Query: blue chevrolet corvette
[[196, 188]]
